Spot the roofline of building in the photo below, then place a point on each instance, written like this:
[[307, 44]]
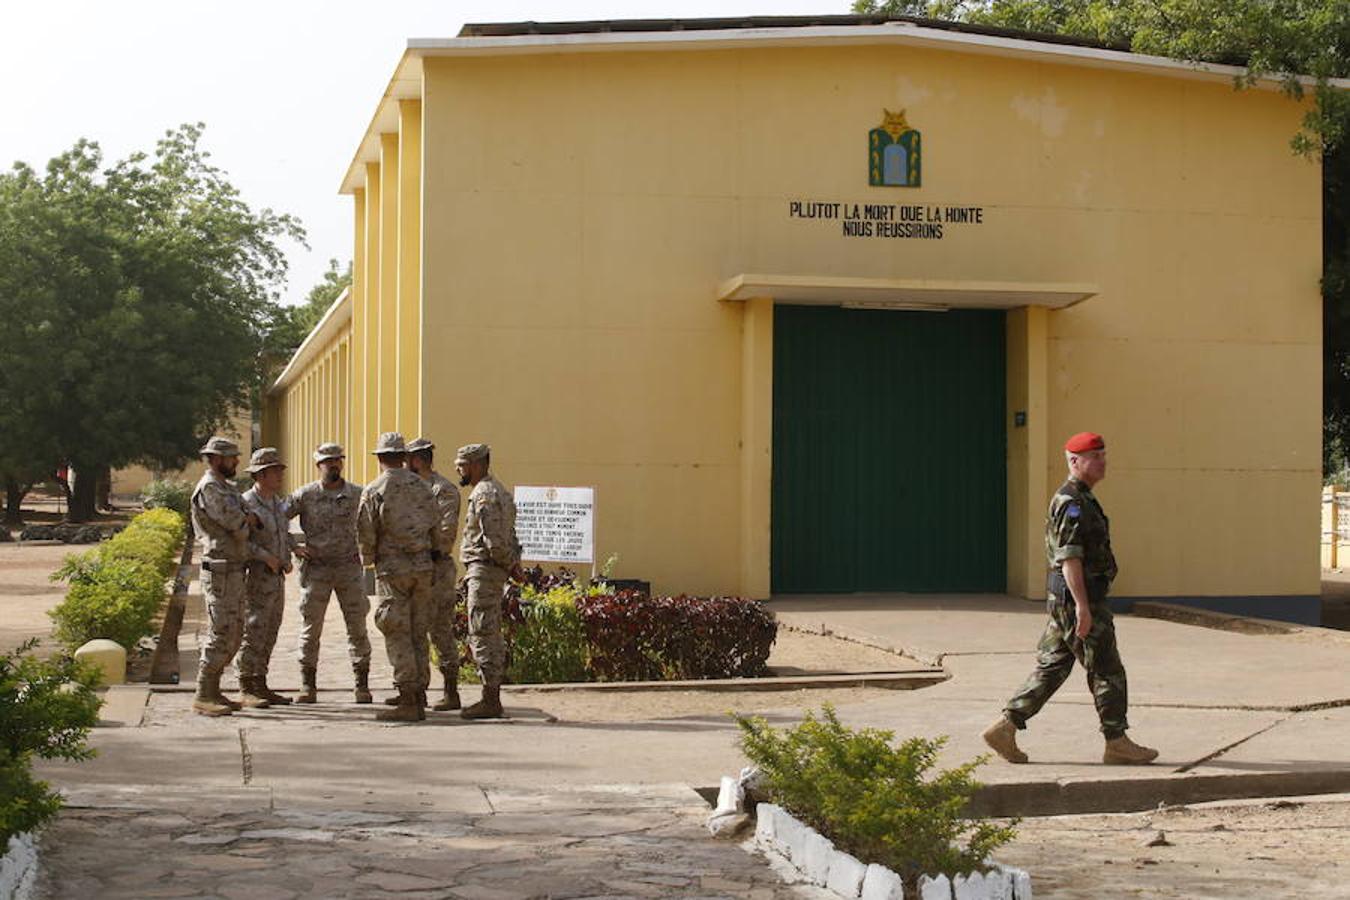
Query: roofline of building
[[536, 38], [334, 318]]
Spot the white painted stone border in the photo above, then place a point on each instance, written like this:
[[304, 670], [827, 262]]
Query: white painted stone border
[[778, 833], [19, 868]]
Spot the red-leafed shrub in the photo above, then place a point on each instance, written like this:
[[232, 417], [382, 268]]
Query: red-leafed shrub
[[634, 637]]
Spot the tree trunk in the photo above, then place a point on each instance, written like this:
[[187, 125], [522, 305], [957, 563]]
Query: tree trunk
[[103, 492], [84, 495], [14, 494]]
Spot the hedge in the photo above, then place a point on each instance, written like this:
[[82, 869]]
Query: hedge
[[117, 589]]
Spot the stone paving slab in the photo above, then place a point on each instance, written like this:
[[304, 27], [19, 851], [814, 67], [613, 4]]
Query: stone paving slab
[[294, 852]]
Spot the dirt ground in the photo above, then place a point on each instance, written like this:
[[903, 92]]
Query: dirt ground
[[1259, 849], [26, 591]]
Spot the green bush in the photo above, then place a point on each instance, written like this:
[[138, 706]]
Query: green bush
[[549, 643], [168, 493], [46, 710], [875, 800], [117, 589]]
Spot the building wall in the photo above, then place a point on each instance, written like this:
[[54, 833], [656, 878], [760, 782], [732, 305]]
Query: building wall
[[571, 216], [314, 408], [581, 209]]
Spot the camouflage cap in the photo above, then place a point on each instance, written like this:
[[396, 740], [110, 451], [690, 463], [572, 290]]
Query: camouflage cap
[[389, 442], [328, 451], [472, 453], [219, 446], [420, 444], [264, 458]]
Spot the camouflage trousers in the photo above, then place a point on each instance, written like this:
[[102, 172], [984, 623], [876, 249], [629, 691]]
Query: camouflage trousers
[[318, 582], [484, 588], [405, 600], [444, 596], [265, 599], [223, 592], [1060, 647]]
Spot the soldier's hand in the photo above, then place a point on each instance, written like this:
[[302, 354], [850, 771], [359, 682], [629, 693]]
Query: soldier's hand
[[302, 551], [1084, 624], [287, 569], [274, 564], [517, 573]]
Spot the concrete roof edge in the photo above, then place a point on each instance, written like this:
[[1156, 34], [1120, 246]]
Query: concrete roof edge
[[337, 315]]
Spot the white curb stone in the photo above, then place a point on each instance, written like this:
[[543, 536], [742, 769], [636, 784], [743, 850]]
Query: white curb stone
[[764, 822], [846, 874], [19, 868], [970, 887], [881, 883], [819, 851], [938, 888], [999, 884], [790, 836]]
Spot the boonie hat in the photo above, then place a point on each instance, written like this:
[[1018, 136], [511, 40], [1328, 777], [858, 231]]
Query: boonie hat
[[472, 452], [1084, 441], [421, 444], [219, 446], [264, 458], [329, 451], [389, 442]]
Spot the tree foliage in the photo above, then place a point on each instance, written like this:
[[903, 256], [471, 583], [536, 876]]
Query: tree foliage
[[135, 299], [1283, 39]]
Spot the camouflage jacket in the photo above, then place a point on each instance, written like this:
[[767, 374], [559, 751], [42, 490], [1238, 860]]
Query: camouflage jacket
[[328, 519], [490, 527], [447, 503], [274, 537], [1077, 528], [219, 520], [397, 524]]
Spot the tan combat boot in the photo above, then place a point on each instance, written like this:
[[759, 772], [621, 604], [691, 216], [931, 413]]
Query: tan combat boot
[[490, 707], [1122, 751], [406, 711], [309, 677], [1002, 739], [208, 701], [250, 695], [272, 696], [450, 695], [362, 691]]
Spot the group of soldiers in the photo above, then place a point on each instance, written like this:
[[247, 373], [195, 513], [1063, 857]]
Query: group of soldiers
[[403, 525]]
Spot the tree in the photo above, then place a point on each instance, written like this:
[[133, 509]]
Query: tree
[[1279, 38], [134, 324]]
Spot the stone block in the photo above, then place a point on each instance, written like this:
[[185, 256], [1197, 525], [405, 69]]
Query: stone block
[[1021, 885], [999, 884], [764, 822], [108, 657], [789, 835], [970, 887], [846, 874], [938, 888], [816, 856], [19, 868], [881, 883]]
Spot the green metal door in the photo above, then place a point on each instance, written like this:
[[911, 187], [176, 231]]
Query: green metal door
[[889, 451]]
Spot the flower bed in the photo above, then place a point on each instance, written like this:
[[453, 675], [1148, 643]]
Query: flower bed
[[559, 629], [878, 803]]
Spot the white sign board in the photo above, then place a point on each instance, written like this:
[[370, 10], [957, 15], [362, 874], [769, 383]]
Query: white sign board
[[556, 524]]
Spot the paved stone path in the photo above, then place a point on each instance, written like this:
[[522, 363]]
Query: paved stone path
[[233, 846]]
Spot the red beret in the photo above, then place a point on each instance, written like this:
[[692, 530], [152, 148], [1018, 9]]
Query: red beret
[[1084, 441]]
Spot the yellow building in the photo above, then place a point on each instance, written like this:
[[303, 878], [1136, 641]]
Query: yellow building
[[814, 305]]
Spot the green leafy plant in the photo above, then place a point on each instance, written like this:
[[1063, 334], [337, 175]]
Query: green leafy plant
[[549, 643], [117, 589], [875, 799], [46, 710], [168, 493]]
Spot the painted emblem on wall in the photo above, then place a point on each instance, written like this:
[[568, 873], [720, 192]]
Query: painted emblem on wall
[[894, 153]]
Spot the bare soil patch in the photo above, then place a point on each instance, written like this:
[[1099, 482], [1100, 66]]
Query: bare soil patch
[[27, 593]]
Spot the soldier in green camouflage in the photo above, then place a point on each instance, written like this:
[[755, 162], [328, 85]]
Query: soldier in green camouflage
[[1082, 567]]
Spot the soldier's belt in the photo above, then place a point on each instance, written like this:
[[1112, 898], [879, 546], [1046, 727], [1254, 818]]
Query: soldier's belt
[[354, 560], [216, 565]]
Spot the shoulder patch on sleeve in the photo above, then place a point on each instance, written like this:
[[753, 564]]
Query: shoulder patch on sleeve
[[1073, 510]]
